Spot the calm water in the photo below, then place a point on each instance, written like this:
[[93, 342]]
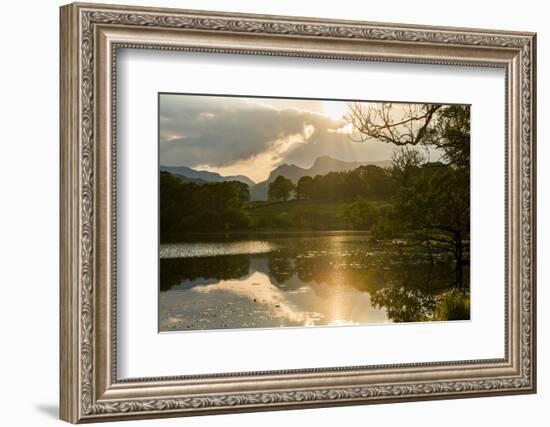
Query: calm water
[[332, 278]]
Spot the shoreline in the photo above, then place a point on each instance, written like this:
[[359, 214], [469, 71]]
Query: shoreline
[[192, 236]]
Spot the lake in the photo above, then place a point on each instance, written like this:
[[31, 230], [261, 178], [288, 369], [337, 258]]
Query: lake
[[297, 279]]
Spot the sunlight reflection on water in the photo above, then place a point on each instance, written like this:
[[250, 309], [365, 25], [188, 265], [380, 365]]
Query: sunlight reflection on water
[[319, 279], [189, 250], [255, 301], [258, 284]]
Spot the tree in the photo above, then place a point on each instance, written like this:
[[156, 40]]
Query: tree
[[432, 206], [451, 133], [406, 162], [304, 188], [280, 188], [433, 211], [359, 213], [430, 125], [406, 124], [242, 192], [376, 181], [187, 207]]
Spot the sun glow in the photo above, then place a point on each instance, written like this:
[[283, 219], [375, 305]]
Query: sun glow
[[335, 109], [347, 129]]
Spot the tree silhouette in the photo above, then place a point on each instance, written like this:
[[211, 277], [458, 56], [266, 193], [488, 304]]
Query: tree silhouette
[[304, 189], [429, 125], [280, 189], [432, 206]]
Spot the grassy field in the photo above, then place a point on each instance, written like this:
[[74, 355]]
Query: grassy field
[[297, 214]]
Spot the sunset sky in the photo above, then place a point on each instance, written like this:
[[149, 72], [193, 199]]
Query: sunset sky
[[252, 136]]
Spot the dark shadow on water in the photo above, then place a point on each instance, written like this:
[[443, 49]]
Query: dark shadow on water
[[50, 410], [188, 272]]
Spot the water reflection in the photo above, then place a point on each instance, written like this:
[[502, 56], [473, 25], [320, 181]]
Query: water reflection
[[185, 273], [310, 280], [198, 249]]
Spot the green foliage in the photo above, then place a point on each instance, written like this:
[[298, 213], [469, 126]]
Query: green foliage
[[383, 227], [280, 189], [431, 207], [405, 304], [414, 304], [304, 188], [432, 210], [451, 133], [190, 207], [296, 214], [360, 213], [453, 305], [369, 181]]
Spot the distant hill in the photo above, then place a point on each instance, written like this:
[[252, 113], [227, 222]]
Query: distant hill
[[326, 164], [321, 166], [188, 180], [193, 175]]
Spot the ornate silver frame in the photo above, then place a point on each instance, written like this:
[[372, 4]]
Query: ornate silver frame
[[90, 36]]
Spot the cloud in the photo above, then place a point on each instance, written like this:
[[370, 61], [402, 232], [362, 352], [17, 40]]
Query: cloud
[[326, 142], [221, 131]]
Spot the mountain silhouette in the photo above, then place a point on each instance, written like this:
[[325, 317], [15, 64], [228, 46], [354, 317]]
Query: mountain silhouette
[[193, 175], [321, 166]]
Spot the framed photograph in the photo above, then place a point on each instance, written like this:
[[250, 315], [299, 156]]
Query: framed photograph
[[266, 212]]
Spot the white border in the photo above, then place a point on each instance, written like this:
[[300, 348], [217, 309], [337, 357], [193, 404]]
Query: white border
[[142, 352]]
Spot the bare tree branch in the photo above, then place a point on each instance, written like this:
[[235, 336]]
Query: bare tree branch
[[401, 125]]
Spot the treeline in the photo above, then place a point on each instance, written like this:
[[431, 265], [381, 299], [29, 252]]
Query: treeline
[[369, 181], [361, 199], [211, 207], [361, 213]]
